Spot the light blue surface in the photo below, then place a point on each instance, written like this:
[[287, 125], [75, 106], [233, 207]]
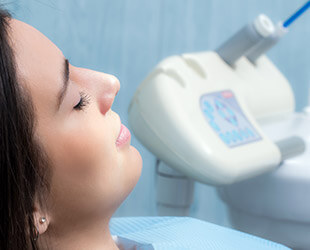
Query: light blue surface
[[129, 37], [181, 233]]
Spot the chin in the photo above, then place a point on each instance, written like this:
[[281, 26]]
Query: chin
[[136, 165], [127, 178], [131, 171]]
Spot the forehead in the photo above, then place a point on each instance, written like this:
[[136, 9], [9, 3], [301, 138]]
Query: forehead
[[39, 62]]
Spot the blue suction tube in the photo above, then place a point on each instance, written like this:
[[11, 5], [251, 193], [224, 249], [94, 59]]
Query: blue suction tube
[[282, 28], [256, 38], [296, 15]]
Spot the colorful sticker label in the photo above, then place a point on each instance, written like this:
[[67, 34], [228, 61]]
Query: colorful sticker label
[[224, 115]]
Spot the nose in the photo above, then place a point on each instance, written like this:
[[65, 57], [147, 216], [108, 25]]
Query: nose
[[107, 89], [101, 86]]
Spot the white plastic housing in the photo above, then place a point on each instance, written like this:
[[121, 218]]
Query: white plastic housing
[[166, 117], [276, 205]]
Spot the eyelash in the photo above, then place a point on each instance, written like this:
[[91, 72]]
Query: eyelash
[[84, 101]]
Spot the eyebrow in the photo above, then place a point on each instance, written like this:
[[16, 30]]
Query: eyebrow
[[65, 77]]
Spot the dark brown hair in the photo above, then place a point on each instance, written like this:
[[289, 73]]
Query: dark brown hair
[[22, 165]]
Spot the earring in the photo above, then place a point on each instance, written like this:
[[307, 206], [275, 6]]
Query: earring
[[42, 220]]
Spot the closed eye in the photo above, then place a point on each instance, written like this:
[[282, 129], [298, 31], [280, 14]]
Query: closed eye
[[84, 101]]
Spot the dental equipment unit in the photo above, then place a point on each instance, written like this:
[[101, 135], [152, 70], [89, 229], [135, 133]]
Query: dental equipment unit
[[226, 118], [202, 114]]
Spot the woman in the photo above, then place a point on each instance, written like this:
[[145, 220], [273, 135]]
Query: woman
[[66, 160]]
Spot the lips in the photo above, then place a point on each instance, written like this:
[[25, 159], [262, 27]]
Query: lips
[[123, 137]]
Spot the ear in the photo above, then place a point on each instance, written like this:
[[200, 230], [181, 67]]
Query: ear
[[41, 220]]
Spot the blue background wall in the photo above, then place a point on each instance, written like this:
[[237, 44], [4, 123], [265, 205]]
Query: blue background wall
[[128, 38]]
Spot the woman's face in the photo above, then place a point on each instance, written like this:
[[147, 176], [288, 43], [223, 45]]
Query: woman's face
[[91, 173]]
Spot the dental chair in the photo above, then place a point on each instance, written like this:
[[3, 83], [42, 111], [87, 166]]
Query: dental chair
[[182, 233]]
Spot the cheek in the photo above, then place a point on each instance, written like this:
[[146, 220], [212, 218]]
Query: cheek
[[88, 169], [87, 149], [86, 166]]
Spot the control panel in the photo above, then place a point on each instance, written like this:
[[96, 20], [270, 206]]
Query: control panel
[[224, 115]]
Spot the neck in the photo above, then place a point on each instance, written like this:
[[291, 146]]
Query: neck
[[78, 236]]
